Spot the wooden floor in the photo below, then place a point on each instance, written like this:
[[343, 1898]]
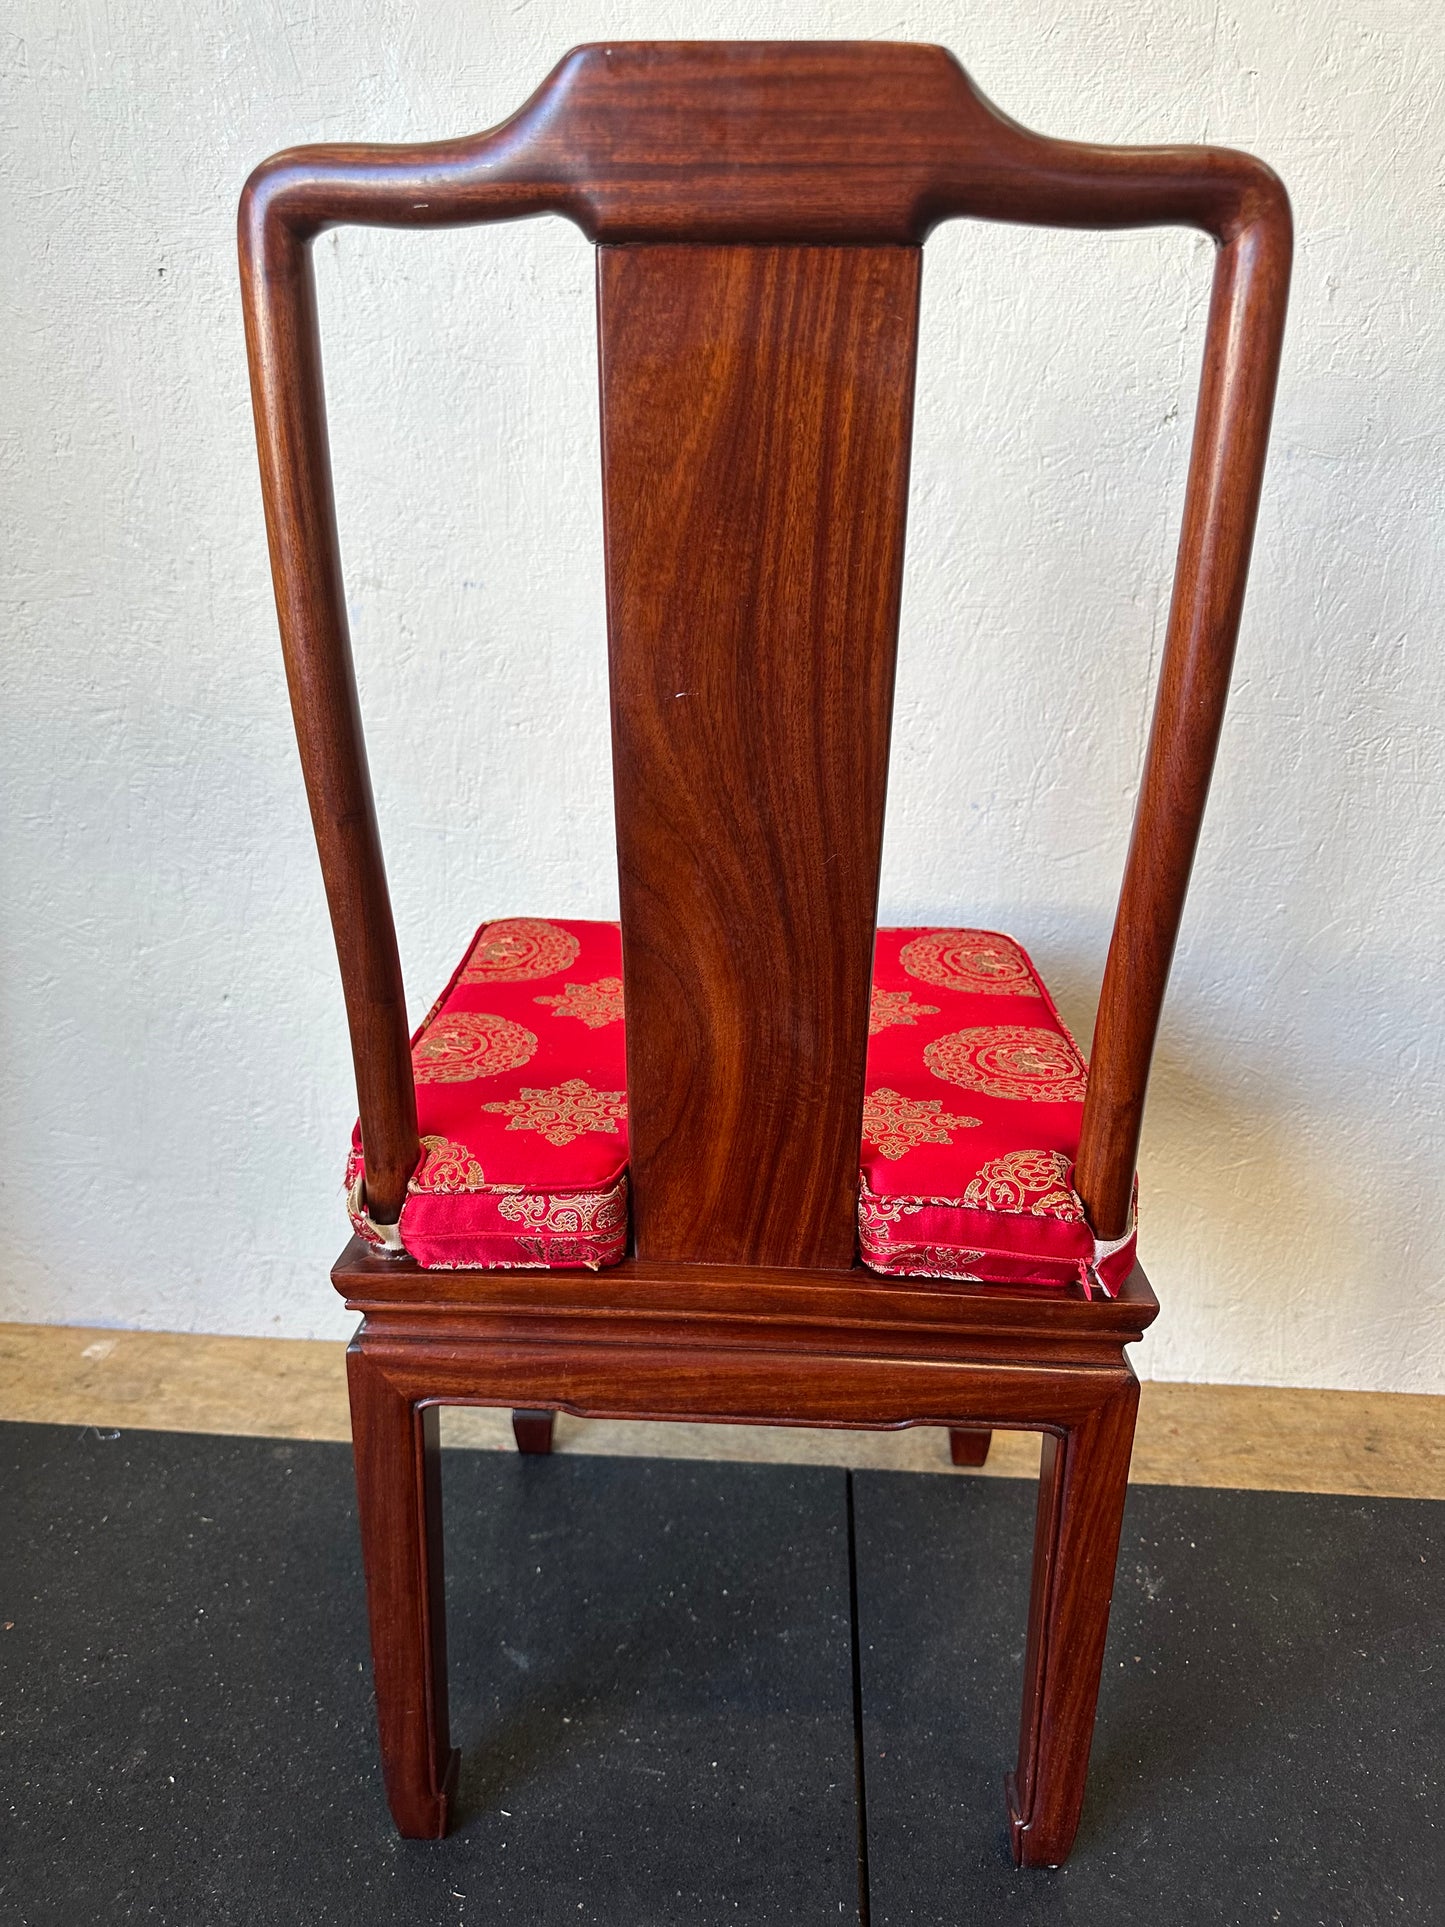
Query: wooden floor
[[1384, 1445]]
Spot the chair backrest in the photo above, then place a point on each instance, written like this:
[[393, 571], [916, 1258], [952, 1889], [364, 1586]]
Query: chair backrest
[[759, 210]]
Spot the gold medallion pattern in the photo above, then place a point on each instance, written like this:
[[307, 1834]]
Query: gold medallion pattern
[[887, 1007], [1036, 1182], [978, 961], [463, 1044], [565, 1112], [1020, 1061], [893, 1124], [514, 950], [446, 1166], [593, 1004]]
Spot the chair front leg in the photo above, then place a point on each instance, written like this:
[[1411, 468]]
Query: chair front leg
[[398, 1482], [1083, 1480]]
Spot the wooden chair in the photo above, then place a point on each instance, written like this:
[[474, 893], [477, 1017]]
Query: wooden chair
[[758, 210]]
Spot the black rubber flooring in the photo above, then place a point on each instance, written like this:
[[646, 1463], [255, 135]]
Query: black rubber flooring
[[653, 1679]]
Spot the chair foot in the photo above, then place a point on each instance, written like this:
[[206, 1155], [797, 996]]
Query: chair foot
[[533, 1431], [1027, 1851], [1017, 1826], [968, 1444], [431, 1821]]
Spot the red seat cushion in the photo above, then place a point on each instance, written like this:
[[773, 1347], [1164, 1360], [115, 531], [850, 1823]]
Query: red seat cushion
[[521, 1098], [973, 1101], [974, 1097]]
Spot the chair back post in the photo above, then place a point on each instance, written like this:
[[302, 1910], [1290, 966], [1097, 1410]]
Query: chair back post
[[285, 356], [1226, 472], [801, 153]]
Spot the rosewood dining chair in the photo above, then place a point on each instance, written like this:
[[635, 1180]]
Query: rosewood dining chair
[[759, 212]]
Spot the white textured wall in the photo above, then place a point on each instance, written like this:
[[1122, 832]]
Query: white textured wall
[[174, 1086]]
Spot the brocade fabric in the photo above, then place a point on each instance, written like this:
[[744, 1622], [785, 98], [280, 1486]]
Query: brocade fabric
[[972, 1109], [521, 1100]]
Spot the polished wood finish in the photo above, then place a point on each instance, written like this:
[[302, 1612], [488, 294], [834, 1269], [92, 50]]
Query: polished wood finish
[[1082, 1482], [396, 1443], [285, 357], [835, 1312], [969, 1445], [1226, 471], [1247, 1437], [760, 209], [756, 405], [533, 1432], [755, 141]]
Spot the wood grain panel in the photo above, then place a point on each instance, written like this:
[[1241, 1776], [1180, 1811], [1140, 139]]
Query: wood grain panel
[[756, 411]]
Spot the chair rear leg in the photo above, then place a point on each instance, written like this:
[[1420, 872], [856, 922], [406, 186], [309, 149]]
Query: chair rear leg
[[533, 1430], [968, 1444], [398, 1484], [1082, 1485]]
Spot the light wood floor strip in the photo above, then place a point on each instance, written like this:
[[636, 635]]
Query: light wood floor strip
[[1374, 1444]]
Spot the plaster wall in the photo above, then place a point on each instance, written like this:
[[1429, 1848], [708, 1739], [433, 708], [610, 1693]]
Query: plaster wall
[[174, 1087]]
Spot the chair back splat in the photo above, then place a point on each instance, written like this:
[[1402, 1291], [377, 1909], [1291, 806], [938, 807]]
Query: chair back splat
[[759, 210], [755, 423]]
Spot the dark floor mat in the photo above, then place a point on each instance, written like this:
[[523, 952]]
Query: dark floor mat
[[650, 1675], [1270, 1731], [651, 1678]]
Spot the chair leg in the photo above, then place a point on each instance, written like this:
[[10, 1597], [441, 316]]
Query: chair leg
[[968, 1444], [1082, 1485], [533, 1430], [398, 1483]]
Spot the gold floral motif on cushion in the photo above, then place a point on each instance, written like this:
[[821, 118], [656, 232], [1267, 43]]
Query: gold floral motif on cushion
[[446, 1166], [565, 1112], [876, 1218], [878, 1215], [463, 1044], [1020, 1061], [887, 1007], [570, 1213], [978, 961], [516, 949], [592, 1004], [565, 1254], [1036, 1182], [893, 1124], [929, 1261]]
